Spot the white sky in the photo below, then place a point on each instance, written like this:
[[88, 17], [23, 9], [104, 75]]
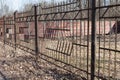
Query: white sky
[[18, 4]]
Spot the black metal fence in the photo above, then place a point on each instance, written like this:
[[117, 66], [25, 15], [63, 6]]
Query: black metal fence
[[80, 36]]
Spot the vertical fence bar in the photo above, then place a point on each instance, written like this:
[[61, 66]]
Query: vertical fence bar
[[93, 40], [15, 38], [88, 38], [4, 29], [36, 33]]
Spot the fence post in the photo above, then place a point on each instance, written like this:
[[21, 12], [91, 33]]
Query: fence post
[[4, 29], [36, 31], [93, 29], [15, 29]]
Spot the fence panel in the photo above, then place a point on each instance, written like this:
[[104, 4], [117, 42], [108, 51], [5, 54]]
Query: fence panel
[[66, 35], [25, 30], [108, 50]]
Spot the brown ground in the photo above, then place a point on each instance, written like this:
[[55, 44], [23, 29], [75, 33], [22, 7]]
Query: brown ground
[[22, 66]]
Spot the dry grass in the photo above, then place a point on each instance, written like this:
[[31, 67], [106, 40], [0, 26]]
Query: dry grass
[[107, 62], [23, 66]]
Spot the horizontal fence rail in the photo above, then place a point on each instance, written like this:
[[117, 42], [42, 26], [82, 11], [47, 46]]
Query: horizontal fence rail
[[80, 36]]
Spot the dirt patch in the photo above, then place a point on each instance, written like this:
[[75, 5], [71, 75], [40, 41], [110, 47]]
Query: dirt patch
[[21, 65]]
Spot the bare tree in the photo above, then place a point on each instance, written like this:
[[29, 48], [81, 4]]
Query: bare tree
[[4, 8], [28, 7]]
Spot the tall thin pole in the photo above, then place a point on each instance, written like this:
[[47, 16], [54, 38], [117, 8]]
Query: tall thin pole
[[4, 29], [15, 38], [93, 29], [36, 31]]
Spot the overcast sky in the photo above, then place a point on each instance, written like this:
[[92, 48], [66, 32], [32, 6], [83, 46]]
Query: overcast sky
[[18, 4]]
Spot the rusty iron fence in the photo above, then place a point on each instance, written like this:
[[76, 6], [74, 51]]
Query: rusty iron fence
[[80, 36]]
